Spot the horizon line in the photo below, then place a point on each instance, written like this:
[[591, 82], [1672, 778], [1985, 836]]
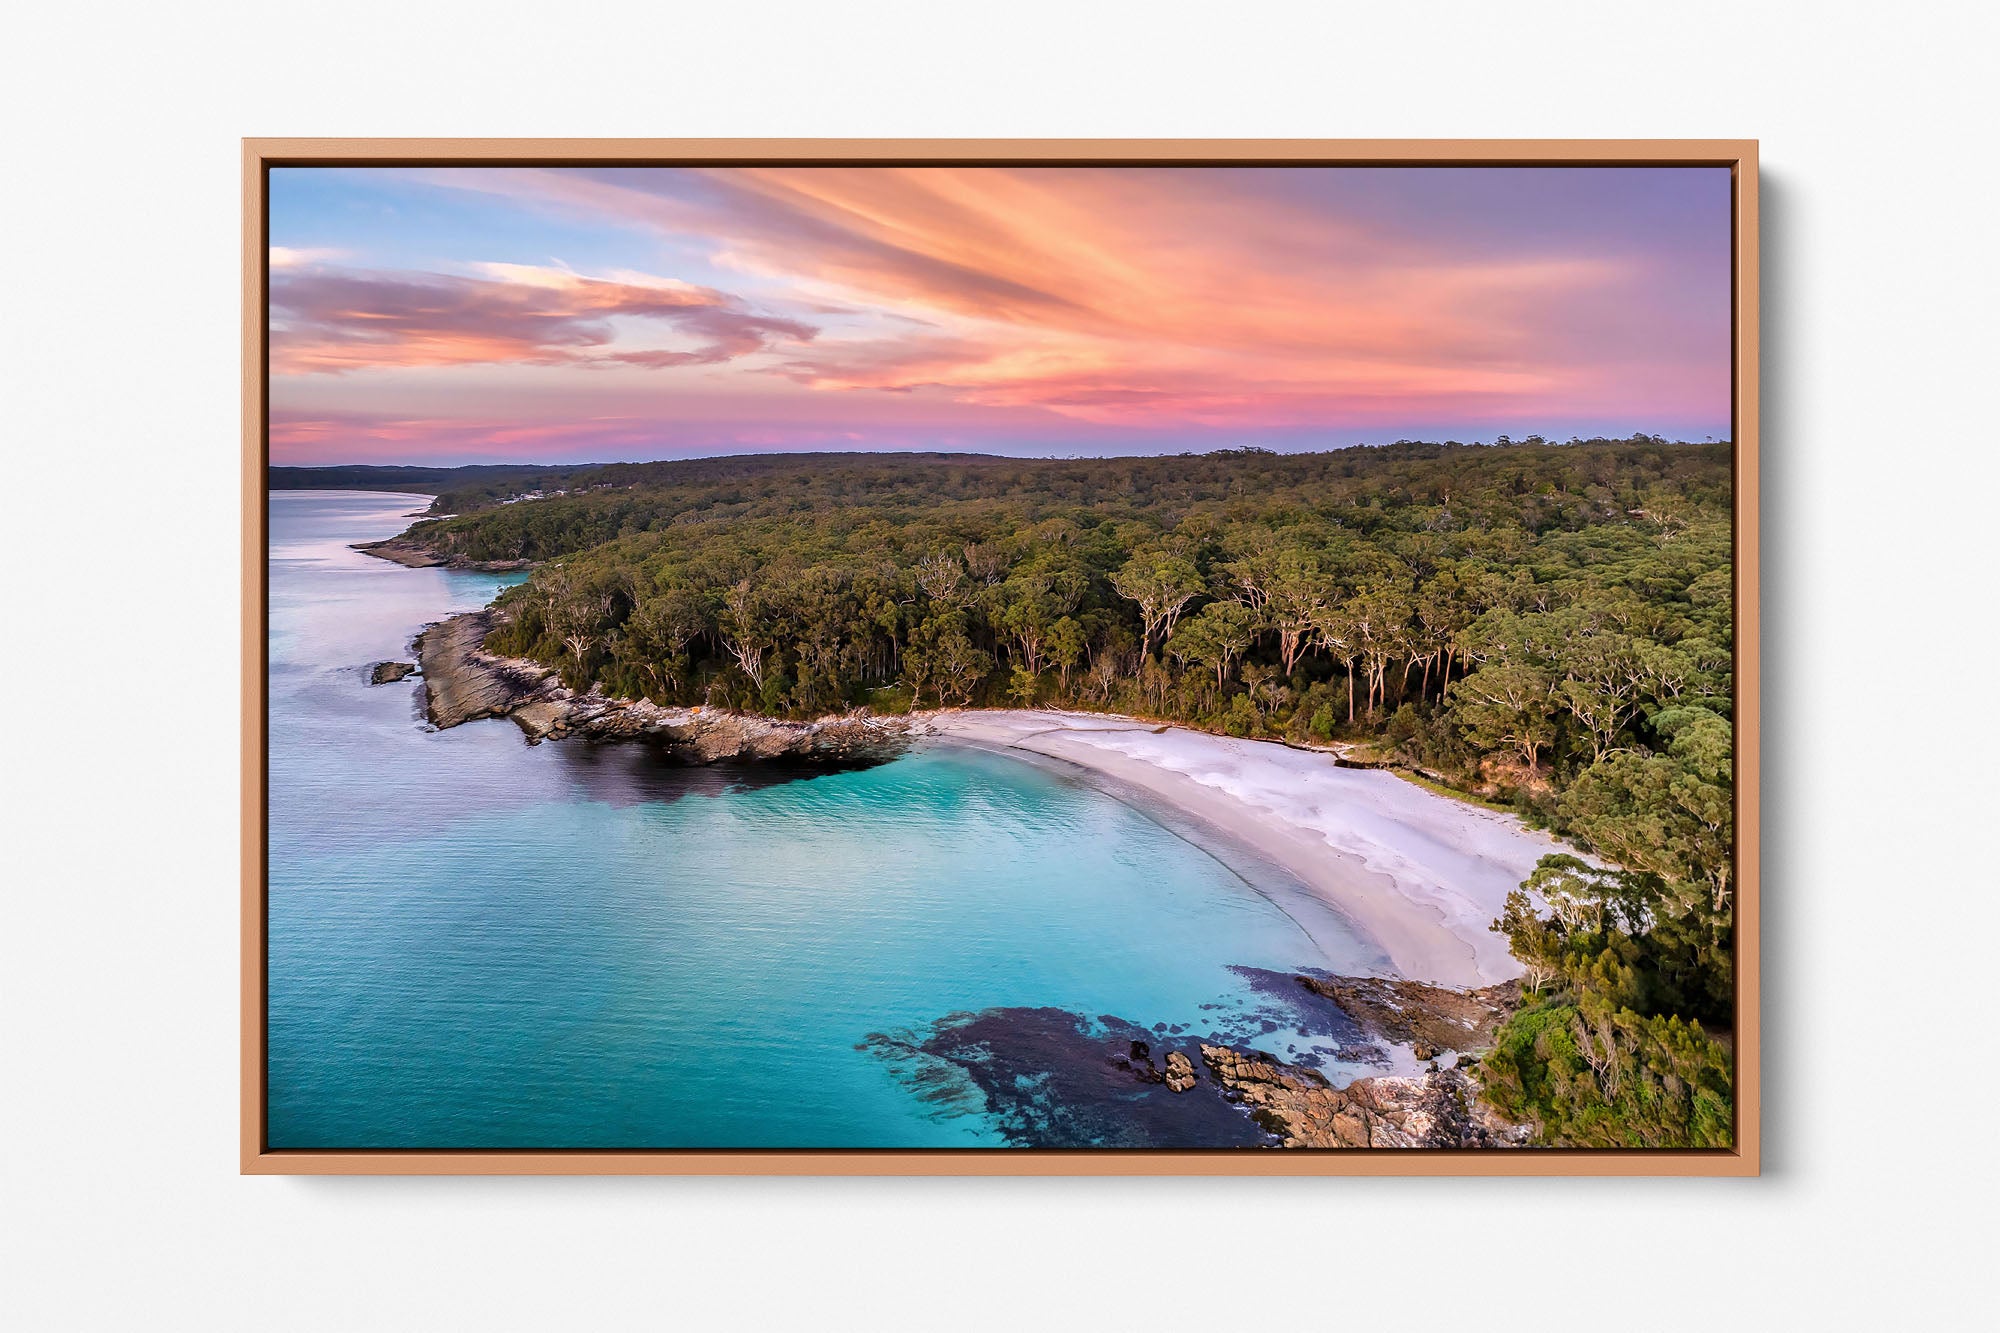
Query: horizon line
[[1502, 441]]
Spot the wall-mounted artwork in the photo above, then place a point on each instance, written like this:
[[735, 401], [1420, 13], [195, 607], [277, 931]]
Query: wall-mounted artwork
[[977, 657]]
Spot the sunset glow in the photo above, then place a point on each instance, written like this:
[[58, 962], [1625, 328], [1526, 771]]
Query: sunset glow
[[480, 314]]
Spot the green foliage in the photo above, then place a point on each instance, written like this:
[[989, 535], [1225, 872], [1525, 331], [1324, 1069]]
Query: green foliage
[[1637, 958], [1450, 600], [890, 700], [1241, 719], [1593, 1075], [1628, 937], [1508, 706]]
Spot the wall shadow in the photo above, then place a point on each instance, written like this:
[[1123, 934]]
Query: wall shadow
[[1781, 523]]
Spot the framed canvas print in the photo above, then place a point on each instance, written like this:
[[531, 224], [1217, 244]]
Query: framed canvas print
[[983, 657]]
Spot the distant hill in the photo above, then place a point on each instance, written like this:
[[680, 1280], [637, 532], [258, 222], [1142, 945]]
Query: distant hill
[[844, 478], [485, 482]]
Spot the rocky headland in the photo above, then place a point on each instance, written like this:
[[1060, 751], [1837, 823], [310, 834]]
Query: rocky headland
[[464, 682], [1049, 1078], [410, 554]]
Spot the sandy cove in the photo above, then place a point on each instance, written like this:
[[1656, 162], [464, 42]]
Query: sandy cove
[[1421, 874]]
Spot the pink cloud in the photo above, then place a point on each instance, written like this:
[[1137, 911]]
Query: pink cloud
[[999, 303], [330, 320], [1129, 295]]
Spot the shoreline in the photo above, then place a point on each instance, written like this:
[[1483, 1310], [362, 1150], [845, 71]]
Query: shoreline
[[1260, 873], [1416, 875], [465, 683], [1352, 850], [410, 555]]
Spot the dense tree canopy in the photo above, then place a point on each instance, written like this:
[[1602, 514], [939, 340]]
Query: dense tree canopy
[[475, 485], [1536, 601], [1549, 624]]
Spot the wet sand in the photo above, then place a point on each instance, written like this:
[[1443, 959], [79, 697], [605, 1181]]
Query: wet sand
[[1420, 874]]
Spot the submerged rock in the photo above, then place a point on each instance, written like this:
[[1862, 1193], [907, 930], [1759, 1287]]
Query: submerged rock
[[1048, 1078], [387, 673]]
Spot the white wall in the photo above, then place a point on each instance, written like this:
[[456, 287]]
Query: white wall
[[117, 1115]]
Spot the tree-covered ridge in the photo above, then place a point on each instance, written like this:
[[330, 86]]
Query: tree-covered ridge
[[472, 486], [1552, 625], [1529, 488]]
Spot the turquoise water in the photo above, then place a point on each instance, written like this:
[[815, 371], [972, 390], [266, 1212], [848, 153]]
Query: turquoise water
[[478, 943]]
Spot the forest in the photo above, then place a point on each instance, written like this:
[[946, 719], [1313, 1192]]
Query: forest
[[475, 484], [1546, 626]]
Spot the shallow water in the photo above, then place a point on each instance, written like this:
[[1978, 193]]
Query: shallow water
[[478, 943]]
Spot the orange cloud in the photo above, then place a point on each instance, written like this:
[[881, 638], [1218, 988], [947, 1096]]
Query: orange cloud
[[1057, 300], [1114, 294]]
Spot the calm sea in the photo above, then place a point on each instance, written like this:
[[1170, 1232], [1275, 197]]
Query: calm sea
[[478, 943]]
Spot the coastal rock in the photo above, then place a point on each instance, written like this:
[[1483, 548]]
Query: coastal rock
[[396, 550], [1139, 1060], [542, 718], [387, 673], [1441, 1109], [1432, 1020], [465, 682], [415, 555], [1050, 1078]]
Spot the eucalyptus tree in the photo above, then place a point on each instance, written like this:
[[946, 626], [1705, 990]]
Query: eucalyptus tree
[[1028, 604], [1215, 637], [1067, 642], [942, 578], [1162, 584], [655, 639], [1377, 619], [747, 629], [1507, 706], [1289, 589]]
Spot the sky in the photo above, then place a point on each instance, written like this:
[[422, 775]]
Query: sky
[[491, 314]]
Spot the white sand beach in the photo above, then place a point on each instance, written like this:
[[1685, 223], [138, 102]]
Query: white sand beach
[[1421, 874]]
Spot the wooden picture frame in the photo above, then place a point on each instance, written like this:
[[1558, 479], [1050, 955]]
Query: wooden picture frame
[[261, 155]]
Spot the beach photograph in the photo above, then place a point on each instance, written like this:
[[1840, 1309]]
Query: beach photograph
[[996, 658]]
